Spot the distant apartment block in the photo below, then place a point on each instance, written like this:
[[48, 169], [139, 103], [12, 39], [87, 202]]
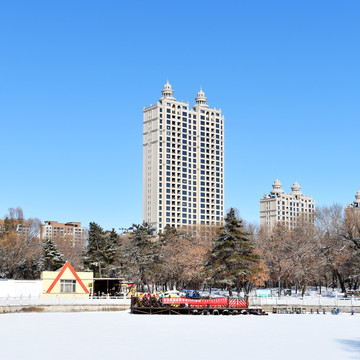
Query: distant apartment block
[[352, 211], [18, 225], [287, 209], [70, 231], [356, 204], [183, 163]]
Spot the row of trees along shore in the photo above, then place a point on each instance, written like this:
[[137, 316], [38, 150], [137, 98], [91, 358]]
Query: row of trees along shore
[[237, 256]]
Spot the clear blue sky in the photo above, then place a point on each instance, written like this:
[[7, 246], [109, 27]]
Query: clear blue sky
[[75, 76]]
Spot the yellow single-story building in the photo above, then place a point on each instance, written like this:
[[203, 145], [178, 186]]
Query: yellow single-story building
[[66, 283]]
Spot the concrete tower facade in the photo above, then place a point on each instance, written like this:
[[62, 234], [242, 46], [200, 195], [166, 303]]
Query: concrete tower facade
[[356, 203], [183, 162], [287, 209], [354, 208]]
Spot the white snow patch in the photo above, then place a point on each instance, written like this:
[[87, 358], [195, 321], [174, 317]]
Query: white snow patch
[[120, 335]]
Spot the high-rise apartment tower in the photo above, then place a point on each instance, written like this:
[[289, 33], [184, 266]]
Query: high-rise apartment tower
[[287, 209], [352, 211], [183, 163], [356, 204]]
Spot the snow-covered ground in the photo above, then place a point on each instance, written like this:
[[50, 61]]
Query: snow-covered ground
[[120, 335]]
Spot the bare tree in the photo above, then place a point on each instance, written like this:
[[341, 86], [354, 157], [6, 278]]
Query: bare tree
[[185, 252], [351, 227], [336, 252], [20, 248], [276, 248], [72, 251], [305, 255]]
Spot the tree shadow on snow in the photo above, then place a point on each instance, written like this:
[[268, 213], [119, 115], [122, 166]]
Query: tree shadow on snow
[[351, 345]]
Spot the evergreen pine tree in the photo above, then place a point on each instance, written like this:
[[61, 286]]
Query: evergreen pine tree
[[111, 252], [143, 255], [232, 256], [94, 253], [51, 259]]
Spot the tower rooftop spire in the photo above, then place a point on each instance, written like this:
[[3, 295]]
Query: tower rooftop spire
[[167, 91], [296, 189], [277, 187], [357, 198], [201, 99]]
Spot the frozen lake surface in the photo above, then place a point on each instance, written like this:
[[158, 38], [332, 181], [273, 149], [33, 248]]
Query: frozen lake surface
[[120, 335]]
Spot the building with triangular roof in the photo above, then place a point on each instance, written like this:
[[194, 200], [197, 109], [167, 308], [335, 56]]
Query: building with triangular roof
[[66, 283]]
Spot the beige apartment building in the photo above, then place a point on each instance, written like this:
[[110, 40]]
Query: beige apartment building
[[356, 204], [287, 209], [183, 163], [352, 211], [70, 231], [20, 226]]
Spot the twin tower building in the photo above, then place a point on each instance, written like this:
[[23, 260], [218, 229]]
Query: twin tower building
[[183, 169], [183, 163]]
